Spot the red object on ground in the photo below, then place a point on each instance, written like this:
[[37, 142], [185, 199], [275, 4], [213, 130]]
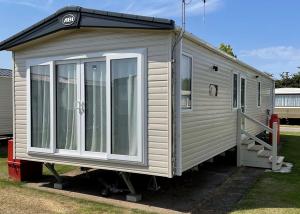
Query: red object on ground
[[274, 118], [22, 170]]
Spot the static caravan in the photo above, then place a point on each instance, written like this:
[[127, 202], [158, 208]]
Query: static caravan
[[287, 103], [6, 113], [133, 94]]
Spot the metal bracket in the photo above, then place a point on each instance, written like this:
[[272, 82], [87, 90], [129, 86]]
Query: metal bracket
[[51, 168]]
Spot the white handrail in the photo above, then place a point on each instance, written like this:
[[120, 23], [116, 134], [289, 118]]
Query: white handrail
[[257, 140], [255, 121]]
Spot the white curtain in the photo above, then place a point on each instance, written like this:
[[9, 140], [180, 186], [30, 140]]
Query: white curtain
[[40, 106], [95, 105], [124, 106], [66, 98], [287, 100]]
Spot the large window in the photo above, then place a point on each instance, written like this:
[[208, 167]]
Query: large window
[[287, 100], [186, 82], [258, 94], [95, 107], [235, 91], [40, 106]]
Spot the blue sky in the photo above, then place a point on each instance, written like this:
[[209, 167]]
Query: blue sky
[[264, 34]]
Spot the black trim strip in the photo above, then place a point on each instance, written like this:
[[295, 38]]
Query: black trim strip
[[85, 18]]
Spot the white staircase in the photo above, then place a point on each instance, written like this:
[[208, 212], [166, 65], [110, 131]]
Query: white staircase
[[253, 151]]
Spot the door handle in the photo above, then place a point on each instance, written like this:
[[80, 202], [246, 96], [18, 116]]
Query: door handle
[[82, 107]]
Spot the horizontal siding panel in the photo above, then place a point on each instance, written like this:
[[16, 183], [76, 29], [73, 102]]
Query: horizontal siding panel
[[158, 46], [210, 128]]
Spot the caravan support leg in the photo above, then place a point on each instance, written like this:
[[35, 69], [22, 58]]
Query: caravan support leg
[[59, 184], [133, 196]]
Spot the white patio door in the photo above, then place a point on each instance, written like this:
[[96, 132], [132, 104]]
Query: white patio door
[[67, 102], [81, 107], [94, 107]]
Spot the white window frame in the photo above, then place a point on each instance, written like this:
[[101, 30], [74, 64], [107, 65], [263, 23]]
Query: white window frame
[[238, 91], [192, 71], [141, 55], [258, 94], [28, 101]]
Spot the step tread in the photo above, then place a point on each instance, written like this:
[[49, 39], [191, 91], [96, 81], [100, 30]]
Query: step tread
[[264, 153], [247, 142], [256, 148], [279, 159]]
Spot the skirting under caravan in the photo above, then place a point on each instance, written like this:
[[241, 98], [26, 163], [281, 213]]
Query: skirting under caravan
[[6, 112], [132, 94]]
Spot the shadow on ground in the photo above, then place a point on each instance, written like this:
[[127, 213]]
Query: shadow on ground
[[211, 187]]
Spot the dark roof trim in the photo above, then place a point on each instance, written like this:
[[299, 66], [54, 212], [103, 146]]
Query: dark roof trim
[[77, 17]]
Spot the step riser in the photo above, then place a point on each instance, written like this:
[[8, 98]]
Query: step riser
[[250, 156]]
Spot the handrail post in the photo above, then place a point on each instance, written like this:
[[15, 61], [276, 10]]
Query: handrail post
[[274, 145], [238, 138]]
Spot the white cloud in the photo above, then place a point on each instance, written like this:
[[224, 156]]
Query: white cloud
[[275, 59], [167, 8], [37, 4], [277, 52]]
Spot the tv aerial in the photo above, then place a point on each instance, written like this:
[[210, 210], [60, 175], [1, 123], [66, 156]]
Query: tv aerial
[[187, 2]]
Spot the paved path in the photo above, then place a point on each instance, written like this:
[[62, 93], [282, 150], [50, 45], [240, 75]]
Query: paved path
[[212, 188], [286, 128]]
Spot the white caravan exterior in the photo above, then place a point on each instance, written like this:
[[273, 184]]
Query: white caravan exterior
[[166, 130], [287, 103], [6, 113]]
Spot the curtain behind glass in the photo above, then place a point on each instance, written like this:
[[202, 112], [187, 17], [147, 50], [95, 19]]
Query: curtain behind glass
[[95, 106], [186, 84], [40, 106], [124, 106], [66, 98], [287, 100]]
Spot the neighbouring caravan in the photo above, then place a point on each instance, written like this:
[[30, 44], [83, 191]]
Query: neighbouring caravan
[[287, 103], [133, 94], [6, 113]]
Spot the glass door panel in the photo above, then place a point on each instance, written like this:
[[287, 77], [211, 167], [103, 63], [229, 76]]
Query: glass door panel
[[124, 114], [243, 94], [66, 106], [243, 99], [95, 106]]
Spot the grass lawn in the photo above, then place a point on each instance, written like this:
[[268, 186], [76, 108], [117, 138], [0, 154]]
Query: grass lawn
[[19, 199], [276, 192]]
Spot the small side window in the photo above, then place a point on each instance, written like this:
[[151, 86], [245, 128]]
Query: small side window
[[235, 91], [258, 94], [186, 82]]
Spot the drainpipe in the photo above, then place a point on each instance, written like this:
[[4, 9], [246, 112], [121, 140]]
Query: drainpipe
[[13, 104]]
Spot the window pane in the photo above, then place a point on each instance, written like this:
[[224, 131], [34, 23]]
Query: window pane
[[235, 90], [95, 106], [66, 98], [258, 93], [186, 84], [40, 106], [243, 94], [124, 106], [287, 100]]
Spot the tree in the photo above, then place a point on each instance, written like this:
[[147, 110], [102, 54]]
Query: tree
[[227, 49], [288, 81]]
